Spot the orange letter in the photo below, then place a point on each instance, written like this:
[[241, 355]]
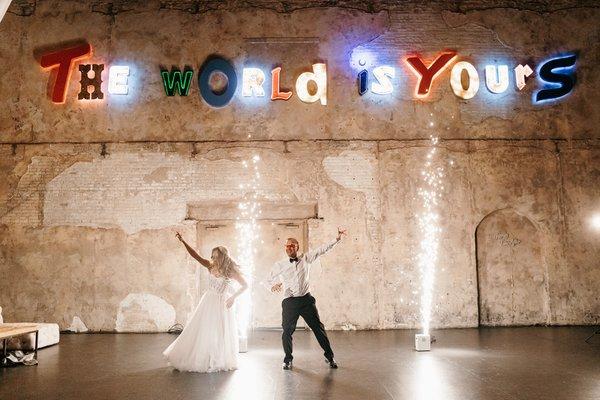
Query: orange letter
[[275, 93], [64, 59], [426, 75]]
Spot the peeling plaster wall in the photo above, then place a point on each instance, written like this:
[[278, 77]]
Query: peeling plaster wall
[[144, 312], [90, 194]]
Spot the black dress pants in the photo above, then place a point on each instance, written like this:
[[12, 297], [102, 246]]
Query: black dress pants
[[294, 307]]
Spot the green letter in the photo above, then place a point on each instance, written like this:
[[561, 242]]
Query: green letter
[[175, 80]]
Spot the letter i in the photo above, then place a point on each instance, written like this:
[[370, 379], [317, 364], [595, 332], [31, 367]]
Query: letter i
[[362, 82]]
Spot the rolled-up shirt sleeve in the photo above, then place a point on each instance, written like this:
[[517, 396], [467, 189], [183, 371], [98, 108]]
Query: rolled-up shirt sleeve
[[311, 256]]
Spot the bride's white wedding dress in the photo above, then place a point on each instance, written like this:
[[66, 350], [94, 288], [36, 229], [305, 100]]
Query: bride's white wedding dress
[[209, 341]]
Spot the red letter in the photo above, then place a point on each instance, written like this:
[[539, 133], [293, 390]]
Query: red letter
[[427, 75], [64, 59], [275, 93]]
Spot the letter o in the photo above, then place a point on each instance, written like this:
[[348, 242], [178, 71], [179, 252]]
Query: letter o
[[213, 65], [456, 80]]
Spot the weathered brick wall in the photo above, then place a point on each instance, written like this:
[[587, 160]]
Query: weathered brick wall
[[91, 191]]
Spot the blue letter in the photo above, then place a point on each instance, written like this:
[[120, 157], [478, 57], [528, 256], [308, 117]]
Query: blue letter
[[213, 65], [557, 83], [362, 82]]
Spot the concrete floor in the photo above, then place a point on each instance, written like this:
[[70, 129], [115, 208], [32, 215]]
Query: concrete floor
[[501, 363]]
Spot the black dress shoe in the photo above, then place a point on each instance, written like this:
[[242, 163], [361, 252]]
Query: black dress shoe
[[332, 363], [287, 365]]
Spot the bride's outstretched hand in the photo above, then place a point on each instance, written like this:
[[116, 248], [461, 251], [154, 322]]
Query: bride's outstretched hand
[[341, 232], [178, 236]]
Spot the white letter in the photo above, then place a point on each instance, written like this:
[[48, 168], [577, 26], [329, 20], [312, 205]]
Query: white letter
[[496, 82], [319, 76], [522, 72], [252, 81], [117, 79], [384, 84], [456, 81]]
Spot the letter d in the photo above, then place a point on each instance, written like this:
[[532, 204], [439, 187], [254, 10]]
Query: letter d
[[319, 76]]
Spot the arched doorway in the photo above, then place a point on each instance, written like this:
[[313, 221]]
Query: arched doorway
[[510, 271]]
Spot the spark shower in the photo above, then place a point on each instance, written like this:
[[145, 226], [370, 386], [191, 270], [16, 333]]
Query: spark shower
[[429, 192]]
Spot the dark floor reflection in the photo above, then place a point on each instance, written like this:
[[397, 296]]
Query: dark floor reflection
[[501, 363]]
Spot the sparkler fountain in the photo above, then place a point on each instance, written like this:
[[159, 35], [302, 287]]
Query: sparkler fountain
[[248, 232], [428, 221]]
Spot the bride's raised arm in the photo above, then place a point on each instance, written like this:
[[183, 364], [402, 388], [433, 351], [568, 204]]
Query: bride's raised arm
[[192, 252]]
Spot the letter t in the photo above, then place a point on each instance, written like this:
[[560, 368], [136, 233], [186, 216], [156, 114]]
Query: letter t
[[64, 59]]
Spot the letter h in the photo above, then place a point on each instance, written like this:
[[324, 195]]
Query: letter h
[[86, 81]]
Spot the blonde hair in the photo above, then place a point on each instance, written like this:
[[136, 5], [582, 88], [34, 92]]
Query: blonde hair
[[223, 263]]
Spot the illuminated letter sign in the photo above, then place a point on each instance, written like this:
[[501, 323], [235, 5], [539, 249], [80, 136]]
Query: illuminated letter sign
[[496, 78], [456, 80], [117, 79], [64, 59], [220, 99], [176, 81], [426, 75], [522, 72], [362, 82], [319, 76], [276, 94], [558, 76], [384, 76], [252, 81], [86, 82]]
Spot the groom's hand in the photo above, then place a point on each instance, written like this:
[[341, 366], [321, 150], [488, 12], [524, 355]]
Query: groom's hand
[[276, 288]]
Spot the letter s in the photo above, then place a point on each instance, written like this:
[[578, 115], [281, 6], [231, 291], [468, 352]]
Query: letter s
[[556, 83]]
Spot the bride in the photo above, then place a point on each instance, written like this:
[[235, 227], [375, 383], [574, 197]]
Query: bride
[[209, 341]]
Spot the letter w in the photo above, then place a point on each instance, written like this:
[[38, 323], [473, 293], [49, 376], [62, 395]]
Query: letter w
[[175, 80]]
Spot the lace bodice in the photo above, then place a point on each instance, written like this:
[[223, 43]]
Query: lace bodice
[[218, 284]]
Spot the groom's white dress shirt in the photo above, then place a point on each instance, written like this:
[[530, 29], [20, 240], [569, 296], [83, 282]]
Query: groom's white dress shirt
[[294, 275]]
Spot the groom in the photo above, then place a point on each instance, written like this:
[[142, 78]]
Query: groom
[[292, 274]]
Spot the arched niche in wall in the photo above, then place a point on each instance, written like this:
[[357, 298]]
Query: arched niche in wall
[[510, 271]]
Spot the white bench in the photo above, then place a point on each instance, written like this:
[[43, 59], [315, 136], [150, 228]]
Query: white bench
[[48, 334]]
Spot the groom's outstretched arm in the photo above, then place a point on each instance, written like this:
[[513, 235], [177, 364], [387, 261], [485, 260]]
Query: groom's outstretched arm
[[311, 256]]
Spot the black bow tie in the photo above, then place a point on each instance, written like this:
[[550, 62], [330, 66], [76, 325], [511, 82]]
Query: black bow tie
[[295, 259]]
